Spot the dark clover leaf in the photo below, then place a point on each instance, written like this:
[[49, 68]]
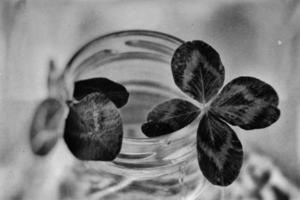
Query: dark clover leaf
[[45, 127], [114, 91], [169, 116], [247, 102], [197, 70], [93, 129], [220, 153]]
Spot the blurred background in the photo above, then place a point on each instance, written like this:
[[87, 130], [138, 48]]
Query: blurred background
[[258, 38]]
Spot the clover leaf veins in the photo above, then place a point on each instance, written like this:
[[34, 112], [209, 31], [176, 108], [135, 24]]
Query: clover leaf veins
[[93, 128], [246, 102]]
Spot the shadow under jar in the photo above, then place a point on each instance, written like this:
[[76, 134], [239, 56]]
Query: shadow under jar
[[147, 168]]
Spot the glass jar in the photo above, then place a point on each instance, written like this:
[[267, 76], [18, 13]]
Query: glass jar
[[146, 168]]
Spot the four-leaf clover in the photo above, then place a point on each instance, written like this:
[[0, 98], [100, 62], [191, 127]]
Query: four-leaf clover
[[246, 102]]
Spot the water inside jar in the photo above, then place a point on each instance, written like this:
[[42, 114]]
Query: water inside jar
[[149, 82], [142, 99]]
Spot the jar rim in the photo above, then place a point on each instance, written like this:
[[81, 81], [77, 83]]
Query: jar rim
[[122, 33]]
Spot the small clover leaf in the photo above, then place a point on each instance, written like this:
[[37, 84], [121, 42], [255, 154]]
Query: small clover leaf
[[170, 116], [246, 102], [93, 128], [220, 153], [45, 127], [197, 70], [115, 92]]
